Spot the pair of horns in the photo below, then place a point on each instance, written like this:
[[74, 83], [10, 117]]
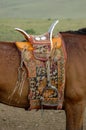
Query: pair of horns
[[50, 31]]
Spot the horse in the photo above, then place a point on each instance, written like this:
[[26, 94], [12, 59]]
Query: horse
[[75, 88], [75, 77]]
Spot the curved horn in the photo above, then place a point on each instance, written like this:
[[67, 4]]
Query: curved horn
[[50, 31], [24, 33]]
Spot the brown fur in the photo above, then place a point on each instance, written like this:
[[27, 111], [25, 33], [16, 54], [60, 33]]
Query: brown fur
[[75, 87], [9, 63]]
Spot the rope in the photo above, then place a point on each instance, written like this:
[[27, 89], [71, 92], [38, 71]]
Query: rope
[[21, 78]]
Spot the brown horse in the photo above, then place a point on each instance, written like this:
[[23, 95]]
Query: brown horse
[[75, 87]]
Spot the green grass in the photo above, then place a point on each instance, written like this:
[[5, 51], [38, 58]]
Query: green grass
[[39, 26]]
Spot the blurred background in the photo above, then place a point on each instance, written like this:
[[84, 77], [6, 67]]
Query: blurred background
[[42, 8], [35, 16]]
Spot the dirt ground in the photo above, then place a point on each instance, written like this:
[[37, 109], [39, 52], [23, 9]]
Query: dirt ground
[[12, 118]]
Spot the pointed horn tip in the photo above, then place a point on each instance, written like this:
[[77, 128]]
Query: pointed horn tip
[[57, 21], [16, 28]]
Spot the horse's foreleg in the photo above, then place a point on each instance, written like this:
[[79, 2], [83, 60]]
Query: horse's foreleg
[[74, 115]]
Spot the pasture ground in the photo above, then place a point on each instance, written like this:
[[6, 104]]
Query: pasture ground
[[37, 26], [12, 118]]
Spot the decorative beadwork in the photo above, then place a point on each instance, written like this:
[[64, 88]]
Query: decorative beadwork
[[35, 62]]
